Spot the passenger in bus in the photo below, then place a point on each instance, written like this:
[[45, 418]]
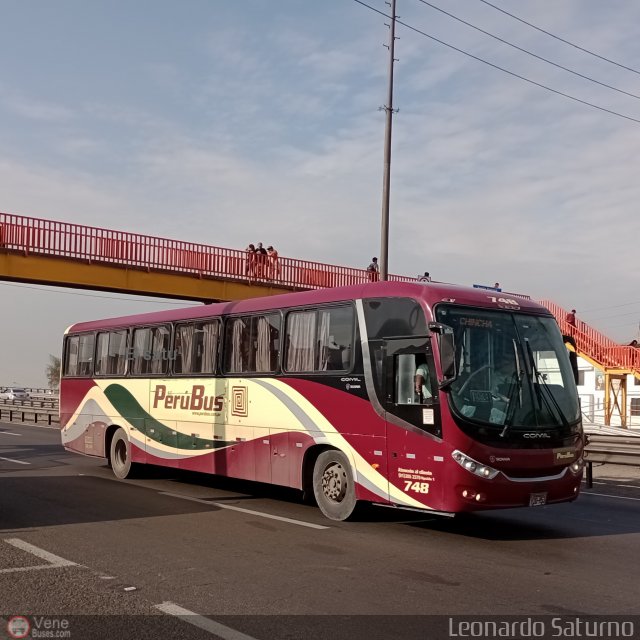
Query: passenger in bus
[[333, 355], [423, 383]]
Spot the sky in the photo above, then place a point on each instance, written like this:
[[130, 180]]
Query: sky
[[235, 122]]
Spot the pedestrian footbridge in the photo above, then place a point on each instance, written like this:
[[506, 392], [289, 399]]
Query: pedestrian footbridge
[[47, 252]]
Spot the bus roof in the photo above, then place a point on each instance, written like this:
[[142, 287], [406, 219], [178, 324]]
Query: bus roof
[[431, 293]]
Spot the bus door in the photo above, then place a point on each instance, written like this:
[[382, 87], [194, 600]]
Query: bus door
[[161, 436], [414, 428]]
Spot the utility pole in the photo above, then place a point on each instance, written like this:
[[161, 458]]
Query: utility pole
[[386, 181]]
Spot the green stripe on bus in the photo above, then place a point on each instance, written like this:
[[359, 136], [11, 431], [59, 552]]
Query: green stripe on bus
[[129, 408]]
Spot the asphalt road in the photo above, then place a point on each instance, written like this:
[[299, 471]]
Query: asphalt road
[[190, 556]]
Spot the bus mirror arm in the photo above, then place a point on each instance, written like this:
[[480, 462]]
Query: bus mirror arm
[[445, 384], [447, 349]]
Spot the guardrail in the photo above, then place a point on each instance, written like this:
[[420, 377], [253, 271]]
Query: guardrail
[[49, 417], [51, 403], [611, 449], [42, 391]]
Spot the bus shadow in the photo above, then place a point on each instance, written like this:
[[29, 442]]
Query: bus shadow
[[240, 489], [43, 501], [40, 501], [564, 521], [583, 518]]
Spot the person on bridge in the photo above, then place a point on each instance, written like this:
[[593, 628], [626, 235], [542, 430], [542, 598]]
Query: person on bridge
[[261, 261], [425, 278], [571, 319], [274, 263], [250, 266], [373, 270]]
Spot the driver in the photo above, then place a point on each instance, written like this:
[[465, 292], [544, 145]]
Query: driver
[[422, 383], [502, 372]]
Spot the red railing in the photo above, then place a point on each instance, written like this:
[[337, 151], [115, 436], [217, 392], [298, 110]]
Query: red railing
[[595, 345], [132, 250]]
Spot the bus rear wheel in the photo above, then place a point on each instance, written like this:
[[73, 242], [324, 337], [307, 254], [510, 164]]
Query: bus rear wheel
[[120, 455], [333, 485]]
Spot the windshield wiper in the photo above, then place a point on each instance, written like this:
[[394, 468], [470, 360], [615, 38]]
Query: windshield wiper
[[543, 386], [515, 388]]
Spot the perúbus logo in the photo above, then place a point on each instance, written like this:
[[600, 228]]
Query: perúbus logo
[[18, 627]]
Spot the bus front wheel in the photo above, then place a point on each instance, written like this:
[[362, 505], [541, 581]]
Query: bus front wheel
[[333, 485], [120, 455]]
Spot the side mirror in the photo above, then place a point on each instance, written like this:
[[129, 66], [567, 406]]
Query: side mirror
[[573, 356], [447, 350]]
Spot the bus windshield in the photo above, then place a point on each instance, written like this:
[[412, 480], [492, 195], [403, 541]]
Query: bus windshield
[[513, 369]]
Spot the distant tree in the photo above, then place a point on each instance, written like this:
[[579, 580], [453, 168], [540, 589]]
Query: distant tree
[[52, 371]]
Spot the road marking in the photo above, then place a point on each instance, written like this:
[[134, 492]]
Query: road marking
[[301, 523], [10, 433], [33, 568], [40, 553], [227, 633], [37, 426], [606, 495], [54, 561], [16, 461], [630, 486]]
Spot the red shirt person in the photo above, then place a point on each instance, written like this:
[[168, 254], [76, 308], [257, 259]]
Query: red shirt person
[[571, 318]]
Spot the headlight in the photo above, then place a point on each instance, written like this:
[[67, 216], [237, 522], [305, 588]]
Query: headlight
[[577, 466], [471, 465]]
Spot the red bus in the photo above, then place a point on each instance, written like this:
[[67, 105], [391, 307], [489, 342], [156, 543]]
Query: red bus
[[417, 395]]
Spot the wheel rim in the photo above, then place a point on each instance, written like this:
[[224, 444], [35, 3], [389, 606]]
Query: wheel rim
[[120, 454], [334, 482]]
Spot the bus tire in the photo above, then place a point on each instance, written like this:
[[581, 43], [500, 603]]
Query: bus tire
[[333, 485], [120, 455]]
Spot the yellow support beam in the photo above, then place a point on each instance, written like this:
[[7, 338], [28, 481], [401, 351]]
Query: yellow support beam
[[615, 397], [79, 274]]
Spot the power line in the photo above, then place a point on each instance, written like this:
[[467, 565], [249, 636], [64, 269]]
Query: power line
[[615, 306], [90, 295], [495, 66], [621, 324], [615, 315], [530, 53], [533, 26]]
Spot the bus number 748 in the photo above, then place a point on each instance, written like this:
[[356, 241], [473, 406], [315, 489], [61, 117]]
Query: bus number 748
[[418, 487]]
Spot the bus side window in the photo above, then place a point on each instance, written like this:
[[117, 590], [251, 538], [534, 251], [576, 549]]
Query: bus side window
[[407, 366], [405, 370]]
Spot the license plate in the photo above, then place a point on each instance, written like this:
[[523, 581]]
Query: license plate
[[537, 499]]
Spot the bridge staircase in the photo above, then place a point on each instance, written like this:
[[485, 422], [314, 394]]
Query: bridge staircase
[[617, 361]]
